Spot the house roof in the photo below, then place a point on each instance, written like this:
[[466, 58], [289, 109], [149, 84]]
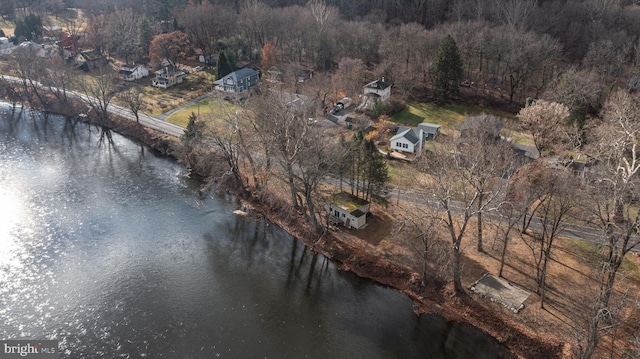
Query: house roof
[[169, 70], [347, 201], [410, 134], [91, 55], [357, 213], [125, 72], [377, 85], [429, 127], [237, 75]]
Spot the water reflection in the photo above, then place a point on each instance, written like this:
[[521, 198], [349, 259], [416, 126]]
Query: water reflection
[[113, 251]]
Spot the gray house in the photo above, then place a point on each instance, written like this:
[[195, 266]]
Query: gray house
[[238, 81], [429, 130]]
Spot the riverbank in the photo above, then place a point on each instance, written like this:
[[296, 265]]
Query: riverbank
[[357, 259], [352, 257]]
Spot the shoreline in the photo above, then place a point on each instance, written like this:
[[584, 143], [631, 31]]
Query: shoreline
[[519, 340]]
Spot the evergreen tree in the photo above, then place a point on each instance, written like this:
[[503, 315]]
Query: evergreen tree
[[365, 166], [376, 173], [28, 28], [225, 65], [447, 69], [145, 33], [194, 129]]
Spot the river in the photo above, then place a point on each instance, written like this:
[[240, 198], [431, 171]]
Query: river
[[113, 251]]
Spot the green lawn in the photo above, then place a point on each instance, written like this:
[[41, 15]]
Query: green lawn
[[450, 117], [209, 108]]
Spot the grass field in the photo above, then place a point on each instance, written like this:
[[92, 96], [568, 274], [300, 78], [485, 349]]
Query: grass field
[[450, 117], [157, 101], [208, 108]]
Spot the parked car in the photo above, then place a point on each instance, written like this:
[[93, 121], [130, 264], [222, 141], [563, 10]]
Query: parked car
[[344, 103]]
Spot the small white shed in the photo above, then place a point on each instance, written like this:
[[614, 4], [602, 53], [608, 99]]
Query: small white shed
[[347, 210]]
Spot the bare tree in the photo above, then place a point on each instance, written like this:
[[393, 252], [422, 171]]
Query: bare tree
[[404, 49], [510, 216], [223, 134], [457, 198], [205, 23], [255, 22], [95, 33], [578, 90], [323, 14], [351, 75], [546, 122], [30, 69], [282, 119], [612, 195], [420, 225], [58, 80], [523, 54], [489, 162], [122, 28], [132, 98], [311, 169], [99, 91], [514, 12], [550, 197]]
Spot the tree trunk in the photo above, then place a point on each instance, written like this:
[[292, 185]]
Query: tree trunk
[[479, 248], [457, 282], [312, 212], [292, 186], [504, 251], [425, 259], [292, 189], [543, 274]]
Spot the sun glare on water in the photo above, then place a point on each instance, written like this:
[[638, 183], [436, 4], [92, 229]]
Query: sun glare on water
[[11, 212]]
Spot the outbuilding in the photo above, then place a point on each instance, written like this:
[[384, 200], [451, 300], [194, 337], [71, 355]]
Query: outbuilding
[[347, 210]]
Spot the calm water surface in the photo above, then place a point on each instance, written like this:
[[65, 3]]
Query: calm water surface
[[112, 251]]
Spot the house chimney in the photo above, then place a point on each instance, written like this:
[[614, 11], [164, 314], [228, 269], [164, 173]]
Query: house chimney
[[382, 78]]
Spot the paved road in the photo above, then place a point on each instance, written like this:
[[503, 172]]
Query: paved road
[[568, 230], [145, 120]]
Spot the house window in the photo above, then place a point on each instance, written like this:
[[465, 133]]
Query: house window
[[343, 215], [404, 145]]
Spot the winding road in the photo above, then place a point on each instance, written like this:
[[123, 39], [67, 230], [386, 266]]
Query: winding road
[[569, 230], [145, 120]]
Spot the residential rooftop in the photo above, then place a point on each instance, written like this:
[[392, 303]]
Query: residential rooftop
[[347, 201]]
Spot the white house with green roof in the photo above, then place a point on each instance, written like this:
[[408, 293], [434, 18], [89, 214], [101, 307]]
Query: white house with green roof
[[347, 210]]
